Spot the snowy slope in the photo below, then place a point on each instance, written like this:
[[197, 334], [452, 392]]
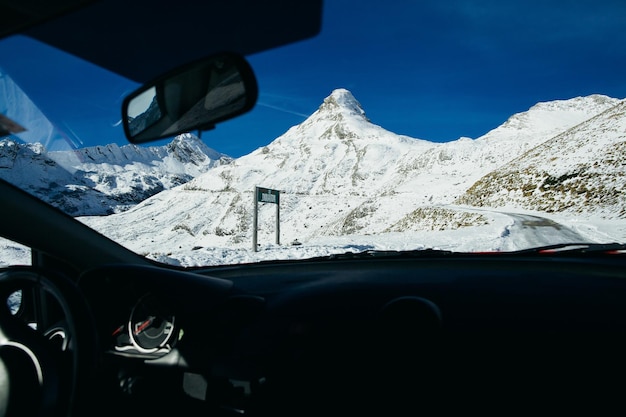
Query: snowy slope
[[581, 171], [342, 176], [451, 168]]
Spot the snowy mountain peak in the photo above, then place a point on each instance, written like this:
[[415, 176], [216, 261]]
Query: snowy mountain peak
[[189, 148], [341, 100]]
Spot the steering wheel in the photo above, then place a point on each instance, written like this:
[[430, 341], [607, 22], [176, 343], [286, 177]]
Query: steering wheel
[[47, 343]]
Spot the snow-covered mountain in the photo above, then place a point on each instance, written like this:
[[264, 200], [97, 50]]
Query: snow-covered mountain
[[340, 174], [582, 170], [104, 179]]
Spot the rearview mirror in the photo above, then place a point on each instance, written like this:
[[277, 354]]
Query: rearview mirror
[[193, 97]]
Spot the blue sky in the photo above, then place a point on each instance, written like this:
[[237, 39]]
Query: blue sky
[[434, 70], [438, 70]]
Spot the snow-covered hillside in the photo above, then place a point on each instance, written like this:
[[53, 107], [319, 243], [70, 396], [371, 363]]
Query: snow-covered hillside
[[581, 171], [343, 177], [104, 179]]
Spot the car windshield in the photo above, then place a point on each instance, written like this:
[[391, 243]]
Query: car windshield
[[468, 126]]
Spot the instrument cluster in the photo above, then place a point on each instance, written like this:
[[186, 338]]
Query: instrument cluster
[[150, 328]]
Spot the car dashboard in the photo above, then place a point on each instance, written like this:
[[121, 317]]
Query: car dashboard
[[351, 335]]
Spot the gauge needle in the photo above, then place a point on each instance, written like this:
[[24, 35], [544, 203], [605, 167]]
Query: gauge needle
[[118, 330], [139, 327]]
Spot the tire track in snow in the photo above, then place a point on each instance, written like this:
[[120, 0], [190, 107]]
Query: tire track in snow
[[529, 231]]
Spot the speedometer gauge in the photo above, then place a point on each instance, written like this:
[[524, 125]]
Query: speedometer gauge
[[151, 325]]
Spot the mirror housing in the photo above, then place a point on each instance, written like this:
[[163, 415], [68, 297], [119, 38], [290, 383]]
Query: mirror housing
[[193, 97]]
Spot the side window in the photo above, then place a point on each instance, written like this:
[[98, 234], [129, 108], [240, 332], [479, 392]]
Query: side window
[[14, 302], [12, 253]]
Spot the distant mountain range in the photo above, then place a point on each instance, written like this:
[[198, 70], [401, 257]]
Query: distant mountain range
[[104, 179], [340, 174]]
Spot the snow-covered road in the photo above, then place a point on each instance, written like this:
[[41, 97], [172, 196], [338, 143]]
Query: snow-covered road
[[528, 231]]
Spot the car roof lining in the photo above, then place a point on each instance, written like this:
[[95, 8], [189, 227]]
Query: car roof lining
[[18, 15], [116, 34]]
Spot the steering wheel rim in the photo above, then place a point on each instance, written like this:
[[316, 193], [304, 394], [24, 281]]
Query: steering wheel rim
[[44, 385]]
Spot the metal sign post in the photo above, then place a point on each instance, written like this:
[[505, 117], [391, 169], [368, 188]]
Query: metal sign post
[[265, 195]]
